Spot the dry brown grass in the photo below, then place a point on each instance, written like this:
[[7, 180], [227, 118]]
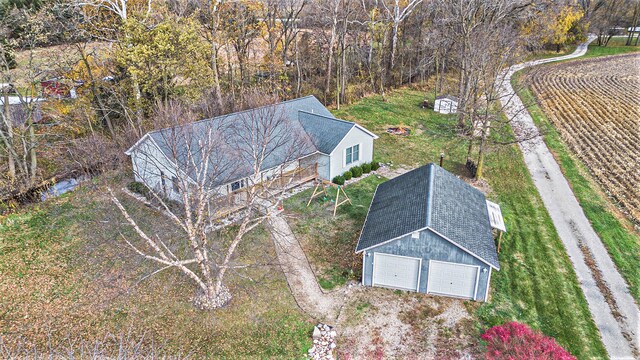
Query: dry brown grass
[[65, 273]]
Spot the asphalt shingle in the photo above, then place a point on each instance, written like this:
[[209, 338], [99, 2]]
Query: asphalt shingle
[[399, 207], [431, 197], [306, 127], [325, 132]]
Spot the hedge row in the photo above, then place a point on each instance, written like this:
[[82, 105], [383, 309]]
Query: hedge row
[[356, 171]]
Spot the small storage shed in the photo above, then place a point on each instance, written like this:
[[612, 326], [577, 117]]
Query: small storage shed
[[430, 232], [446, 104]]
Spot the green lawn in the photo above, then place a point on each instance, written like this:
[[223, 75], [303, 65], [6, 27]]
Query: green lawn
[[329, 241], [536, 284], [65, 271], [616, 46], [616, 232]]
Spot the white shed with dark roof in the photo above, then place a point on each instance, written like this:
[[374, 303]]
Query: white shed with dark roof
[[430, 232], [446, 104]]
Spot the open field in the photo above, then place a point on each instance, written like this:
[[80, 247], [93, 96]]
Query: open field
[[595, 105], [536, 284], [616, 46]]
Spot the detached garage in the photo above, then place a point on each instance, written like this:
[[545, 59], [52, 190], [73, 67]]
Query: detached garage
[[430, 232]]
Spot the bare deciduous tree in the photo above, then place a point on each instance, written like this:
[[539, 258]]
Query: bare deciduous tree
[[20, 113], [206, 160], [397, 12]]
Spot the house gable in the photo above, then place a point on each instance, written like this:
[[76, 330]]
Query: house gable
[[354, 137]]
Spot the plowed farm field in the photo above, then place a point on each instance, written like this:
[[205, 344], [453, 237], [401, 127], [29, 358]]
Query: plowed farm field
[[595, 105]]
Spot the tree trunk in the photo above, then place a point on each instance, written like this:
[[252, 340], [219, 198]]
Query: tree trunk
[[394, 43], [481, 148], [634, 23], [298, 71], [33, 167], [9, 125], [332, 41], [96, 95], [219, 292], [480, 164], [435, 84], [343, 64]]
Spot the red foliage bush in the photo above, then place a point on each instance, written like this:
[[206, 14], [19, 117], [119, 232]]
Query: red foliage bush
[[515, 341]]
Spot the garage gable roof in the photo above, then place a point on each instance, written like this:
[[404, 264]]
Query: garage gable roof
[[430, 197]]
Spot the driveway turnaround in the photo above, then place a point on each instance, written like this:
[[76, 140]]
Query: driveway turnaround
[[613, 309]]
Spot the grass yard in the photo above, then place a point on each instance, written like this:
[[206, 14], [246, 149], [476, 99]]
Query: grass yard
[[536, 285], [616, 46], [616, 231], [66, 273], [330, 242]]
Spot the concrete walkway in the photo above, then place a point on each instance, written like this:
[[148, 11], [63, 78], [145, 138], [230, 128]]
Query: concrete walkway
[[613, 308]]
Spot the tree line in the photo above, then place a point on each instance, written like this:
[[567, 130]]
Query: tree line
[[128, 57]]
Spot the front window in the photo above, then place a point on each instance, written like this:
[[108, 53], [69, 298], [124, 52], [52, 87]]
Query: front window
[[237, 185], [352, 154]]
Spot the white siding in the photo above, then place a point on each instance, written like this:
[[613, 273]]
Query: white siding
[[445, 106], [353, 137], [148, 165], [323, 162]]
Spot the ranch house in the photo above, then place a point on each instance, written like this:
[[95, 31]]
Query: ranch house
[[430, 232], [330, 147]]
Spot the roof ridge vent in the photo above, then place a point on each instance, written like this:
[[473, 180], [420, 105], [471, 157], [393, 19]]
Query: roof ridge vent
[[432, 170]]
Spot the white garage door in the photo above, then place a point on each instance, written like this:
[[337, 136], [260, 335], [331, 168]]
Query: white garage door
[[398, 272], [452, 279]]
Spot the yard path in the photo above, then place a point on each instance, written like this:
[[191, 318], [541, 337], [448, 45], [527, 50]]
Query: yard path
[[614, 311], [297, 270], [300, 277]]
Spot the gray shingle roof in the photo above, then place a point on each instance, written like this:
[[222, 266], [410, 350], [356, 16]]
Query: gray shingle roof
[[399, 207], [430, 197], [325, 132], [313, 125]]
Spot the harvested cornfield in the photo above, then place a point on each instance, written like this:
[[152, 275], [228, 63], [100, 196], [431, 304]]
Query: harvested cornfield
[[595, 105]]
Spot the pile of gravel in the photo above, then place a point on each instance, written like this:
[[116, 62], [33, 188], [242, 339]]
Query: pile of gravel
[[324, 341]]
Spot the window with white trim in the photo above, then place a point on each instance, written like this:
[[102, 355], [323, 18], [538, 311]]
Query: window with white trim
[[352, 154], [237, 185]]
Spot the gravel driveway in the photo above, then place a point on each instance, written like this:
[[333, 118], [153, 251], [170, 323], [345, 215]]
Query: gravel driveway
[[614, 311]]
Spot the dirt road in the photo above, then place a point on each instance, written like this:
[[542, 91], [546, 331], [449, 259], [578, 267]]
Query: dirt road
[[614, 311]]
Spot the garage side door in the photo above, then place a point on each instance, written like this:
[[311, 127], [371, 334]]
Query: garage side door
[[398, 272], [452, 279]]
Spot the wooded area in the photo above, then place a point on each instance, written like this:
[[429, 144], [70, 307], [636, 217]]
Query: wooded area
[[113, 62]]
